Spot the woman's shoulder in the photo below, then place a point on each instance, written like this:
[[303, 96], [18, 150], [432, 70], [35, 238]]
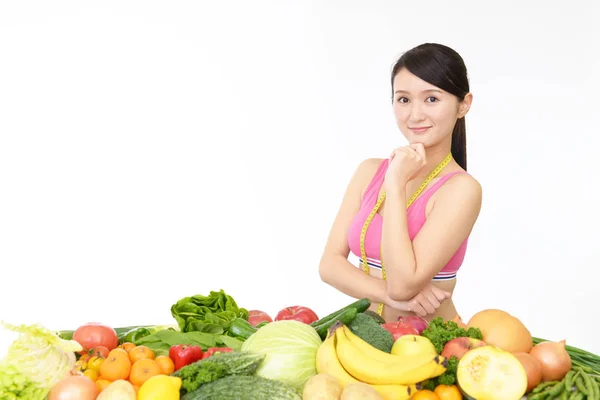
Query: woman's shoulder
[[367, 168], [461, 185]]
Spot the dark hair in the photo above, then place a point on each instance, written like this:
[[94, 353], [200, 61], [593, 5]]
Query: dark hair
[[443, 67]]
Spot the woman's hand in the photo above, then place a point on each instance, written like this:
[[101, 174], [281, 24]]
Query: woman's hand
[[405, 163], [426, 302]]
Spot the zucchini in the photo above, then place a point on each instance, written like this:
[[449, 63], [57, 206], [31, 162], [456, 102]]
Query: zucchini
[[244, 387], [360, 306], [346, 317], [241, 328], [215, 367]]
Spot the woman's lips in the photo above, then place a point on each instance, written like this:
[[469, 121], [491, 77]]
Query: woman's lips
[[420, 129]]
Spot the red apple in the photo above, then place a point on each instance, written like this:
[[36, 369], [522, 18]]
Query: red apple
[[297, 313], [415, 321], [398, 329], [255, 317], [459, 346]]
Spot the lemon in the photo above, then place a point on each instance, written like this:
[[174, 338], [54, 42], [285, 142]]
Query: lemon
[[160, 387]]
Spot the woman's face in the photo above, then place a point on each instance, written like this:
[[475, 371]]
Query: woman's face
[[425, 113]]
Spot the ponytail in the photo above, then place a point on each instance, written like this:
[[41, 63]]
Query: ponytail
[[459, 143]]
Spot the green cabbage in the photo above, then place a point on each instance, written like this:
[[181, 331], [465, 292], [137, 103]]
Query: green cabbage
[[35, 362], [290, 349]]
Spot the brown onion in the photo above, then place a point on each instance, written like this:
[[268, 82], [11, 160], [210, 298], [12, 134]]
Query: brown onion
[[533, 368], [555, 359], [74, 387]]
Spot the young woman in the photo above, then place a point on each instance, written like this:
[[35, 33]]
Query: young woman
[[408, 218]]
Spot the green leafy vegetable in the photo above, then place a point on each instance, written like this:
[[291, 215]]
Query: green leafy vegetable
[[447, 378], [14, 385], [35, 361], [440, 333], [290, 349], [210, 314], [216, 367]]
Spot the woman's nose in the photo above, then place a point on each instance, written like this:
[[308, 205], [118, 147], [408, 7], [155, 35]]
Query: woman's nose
[[416, 113]]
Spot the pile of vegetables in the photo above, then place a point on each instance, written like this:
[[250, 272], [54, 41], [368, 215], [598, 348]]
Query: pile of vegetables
[[218, 347]]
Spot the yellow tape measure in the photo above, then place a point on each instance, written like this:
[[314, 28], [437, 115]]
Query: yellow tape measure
[[380, 200]]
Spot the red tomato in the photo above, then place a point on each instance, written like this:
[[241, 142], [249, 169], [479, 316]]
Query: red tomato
[[255, 317], [297, 313], [103, 350], [398, 329], [94, 334]]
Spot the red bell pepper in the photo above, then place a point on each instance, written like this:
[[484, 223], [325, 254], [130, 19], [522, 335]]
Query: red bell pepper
[[183, 355], [213, 350]]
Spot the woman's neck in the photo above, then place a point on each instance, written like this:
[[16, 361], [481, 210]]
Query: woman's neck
[[434, 156]]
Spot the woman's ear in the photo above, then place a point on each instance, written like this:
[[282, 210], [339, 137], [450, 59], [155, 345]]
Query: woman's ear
[[465, 105]]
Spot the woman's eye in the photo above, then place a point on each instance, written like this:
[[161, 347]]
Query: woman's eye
[[432, 99], [402, 100]]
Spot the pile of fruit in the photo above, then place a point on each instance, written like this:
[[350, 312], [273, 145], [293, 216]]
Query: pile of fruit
[[218, 350]]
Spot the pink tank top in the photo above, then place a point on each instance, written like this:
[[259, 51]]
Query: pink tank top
[[416, 216]]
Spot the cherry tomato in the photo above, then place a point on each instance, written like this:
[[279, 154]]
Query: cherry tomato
[[99, 350], [94, 363]]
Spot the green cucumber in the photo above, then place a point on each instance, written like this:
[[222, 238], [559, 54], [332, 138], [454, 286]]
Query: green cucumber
[[241, 328], [360, 306], [345, 317]]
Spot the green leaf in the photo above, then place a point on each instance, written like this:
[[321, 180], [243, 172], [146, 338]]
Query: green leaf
[[231, 342]]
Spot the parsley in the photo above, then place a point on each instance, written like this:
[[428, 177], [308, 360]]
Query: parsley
[[447, 378], [440, 333]]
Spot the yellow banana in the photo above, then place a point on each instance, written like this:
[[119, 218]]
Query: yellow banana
[[376, 354], [327, 361], [396, 371], [409, 345], [396, 392]]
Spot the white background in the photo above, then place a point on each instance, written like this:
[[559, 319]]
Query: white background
[[155, 150]]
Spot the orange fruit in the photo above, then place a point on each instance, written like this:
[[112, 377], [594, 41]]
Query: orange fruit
[[425, 395], [116, 366], [166, 364], [140, 353], [102, 384], [127, 346], [448, 392], [143, 370], [117, 350]]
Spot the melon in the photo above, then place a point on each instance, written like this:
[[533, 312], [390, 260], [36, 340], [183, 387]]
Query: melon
[[490, 373], [503, 330]]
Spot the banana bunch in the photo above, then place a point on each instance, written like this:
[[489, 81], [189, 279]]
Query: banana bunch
[[397, 376]]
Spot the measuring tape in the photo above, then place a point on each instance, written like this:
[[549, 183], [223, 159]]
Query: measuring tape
[[380, 200]]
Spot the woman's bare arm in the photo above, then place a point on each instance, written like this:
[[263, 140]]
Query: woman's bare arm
[[412, 264], [334, 268]]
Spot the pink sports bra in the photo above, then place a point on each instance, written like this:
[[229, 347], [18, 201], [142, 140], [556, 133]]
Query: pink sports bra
[[416, 217]]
